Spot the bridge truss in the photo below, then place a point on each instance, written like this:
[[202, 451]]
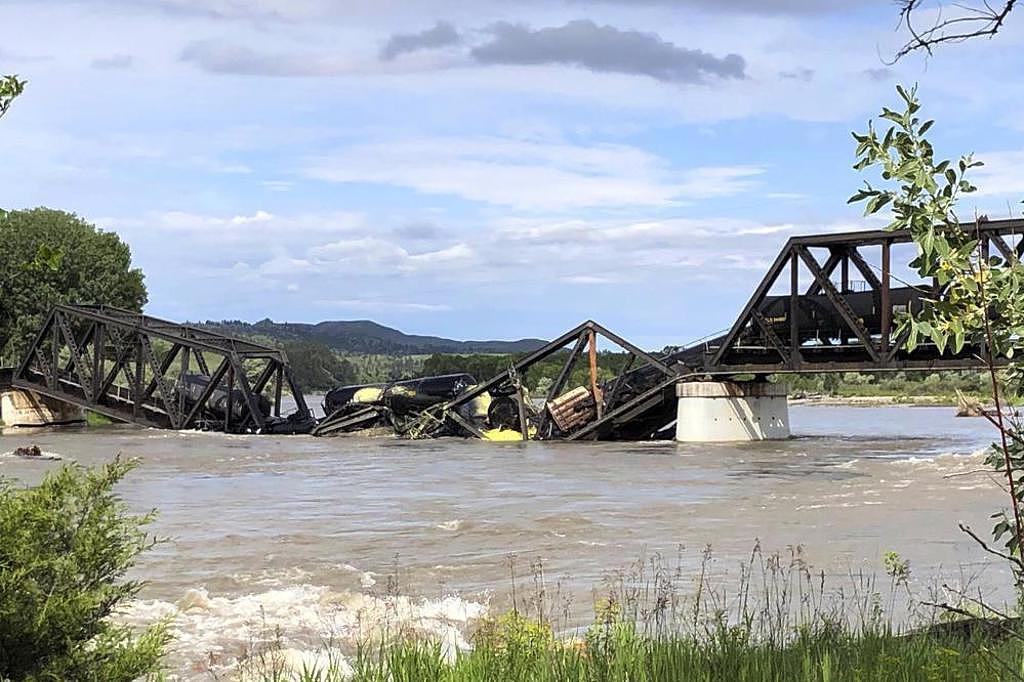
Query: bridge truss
[[136, 368], [823, 322]]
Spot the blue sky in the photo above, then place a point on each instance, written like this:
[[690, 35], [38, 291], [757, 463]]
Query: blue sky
[[476, 170]]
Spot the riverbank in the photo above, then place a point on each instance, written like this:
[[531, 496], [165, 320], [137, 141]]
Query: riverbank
[[875, 400], [782, 621]]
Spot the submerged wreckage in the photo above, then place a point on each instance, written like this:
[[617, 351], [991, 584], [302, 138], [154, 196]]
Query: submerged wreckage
[[638, 404]]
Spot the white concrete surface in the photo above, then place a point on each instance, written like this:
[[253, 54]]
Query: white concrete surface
[[725, 411], [25, 408]]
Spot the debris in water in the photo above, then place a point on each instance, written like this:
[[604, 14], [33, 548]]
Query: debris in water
[[34, 452], [967, 406]]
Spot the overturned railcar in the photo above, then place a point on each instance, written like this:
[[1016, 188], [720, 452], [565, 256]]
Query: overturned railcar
[[191, 388], [392, 405]]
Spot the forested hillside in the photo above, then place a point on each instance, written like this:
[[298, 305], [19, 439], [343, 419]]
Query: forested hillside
[[366, 337]]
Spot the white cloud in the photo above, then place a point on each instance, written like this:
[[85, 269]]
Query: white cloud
[[245, 225], [349, 304], [588, 279], [375, 255], [1002, 174], [529, 174]]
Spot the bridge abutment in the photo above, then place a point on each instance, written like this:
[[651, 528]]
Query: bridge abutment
[[723, 411], [27, 408]]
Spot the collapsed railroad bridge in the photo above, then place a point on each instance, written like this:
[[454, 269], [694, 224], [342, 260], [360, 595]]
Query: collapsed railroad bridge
[[828, 303]]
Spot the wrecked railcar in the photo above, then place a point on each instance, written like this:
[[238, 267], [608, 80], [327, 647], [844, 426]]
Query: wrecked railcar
[[637, 404], [393, 405]]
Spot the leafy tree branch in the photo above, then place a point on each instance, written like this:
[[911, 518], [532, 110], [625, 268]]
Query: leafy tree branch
[[977, 299], [10, 88]]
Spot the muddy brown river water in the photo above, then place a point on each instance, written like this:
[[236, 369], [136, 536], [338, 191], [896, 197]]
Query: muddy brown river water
[[313, 535]]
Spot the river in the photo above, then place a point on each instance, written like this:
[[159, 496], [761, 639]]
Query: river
[[316, 535]]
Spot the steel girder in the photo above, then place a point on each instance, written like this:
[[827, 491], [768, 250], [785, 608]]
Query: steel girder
[[141, 369], [829, 327]]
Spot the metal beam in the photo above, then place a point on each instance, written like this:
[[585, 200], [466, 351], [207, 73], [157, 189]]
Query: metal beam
[[865, 269], [622, 409], [208, 390], [840, 304], [770, 334], [835, 256], [759, 293]]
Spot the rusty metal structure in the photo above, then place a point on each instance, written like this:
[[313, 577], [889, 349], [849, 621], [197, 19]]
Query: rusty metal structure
[[628, 407], [823, 306], [819, 322], [827, 325], [136, 368]]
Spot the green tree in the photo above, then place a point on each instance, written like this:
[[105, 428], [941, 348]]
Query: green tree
[[49, 257], [65, 547], [316, 367], [981, 298], [10, 88]]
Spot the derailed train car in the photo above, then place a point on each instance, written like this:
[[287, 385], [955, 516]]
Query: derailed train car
[[190, 390], [393, 405], [191, 387], [636, 404]]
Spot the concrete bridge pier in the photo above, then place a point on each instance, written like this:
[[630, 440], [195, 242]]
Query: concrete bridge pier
[[26, 408], [723, 411]]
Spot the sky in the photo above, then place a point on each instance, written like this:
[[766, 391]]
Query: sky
[[477, 170]]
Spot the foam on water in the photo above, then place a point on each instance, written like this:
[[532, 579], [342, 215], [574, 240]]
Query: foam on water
[[296, 625], [945, 461], [454, 524]]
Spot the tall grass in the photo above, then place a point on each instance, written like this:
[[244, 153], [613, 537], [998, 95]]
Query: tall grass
[[781, 621]]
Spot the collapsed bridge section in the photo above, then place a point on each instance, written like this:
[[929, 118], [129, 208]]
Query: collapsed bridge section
[[141, 369]]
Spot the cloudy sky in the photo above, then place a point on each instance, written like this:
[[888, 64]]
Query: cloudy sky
[[485, 169]]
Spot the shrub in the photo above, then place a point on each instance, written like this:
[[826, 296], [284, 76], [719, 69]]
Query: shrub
[[65, 546]]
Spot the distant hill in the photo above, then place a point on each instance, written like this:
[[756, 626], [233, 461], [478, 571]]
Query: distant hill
[[365, 336]]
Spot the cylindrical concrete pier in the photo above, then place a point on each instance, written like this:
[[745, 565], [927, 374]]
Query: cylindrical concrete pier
[[723, 411]]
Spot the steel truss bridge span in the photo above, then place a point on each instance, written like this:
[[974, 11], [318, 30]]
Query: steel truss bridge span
[[137, 368], [823, 321]]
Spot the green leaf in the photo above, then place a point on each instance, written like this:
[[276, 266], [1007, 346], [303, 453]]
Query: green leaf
[[958, 341], [877, 202]]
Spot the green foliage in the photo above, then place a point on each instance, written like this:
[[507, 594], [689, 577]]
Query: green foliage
[[316, 367], [97, 419], [378, 369], [902, 385], [49, 257], [513, 643], [621, 654], [10, 88], [924, 203], [982, 296], [65, 547]]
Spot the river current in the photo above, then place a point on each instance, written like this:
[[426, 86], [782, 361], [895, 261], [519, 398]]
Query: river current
[[318, 537]]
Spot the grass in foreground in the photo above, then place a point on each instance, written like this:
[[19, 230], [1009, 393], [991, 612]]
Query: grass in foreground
[[783, 623], [782, 620], [520, 650]]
